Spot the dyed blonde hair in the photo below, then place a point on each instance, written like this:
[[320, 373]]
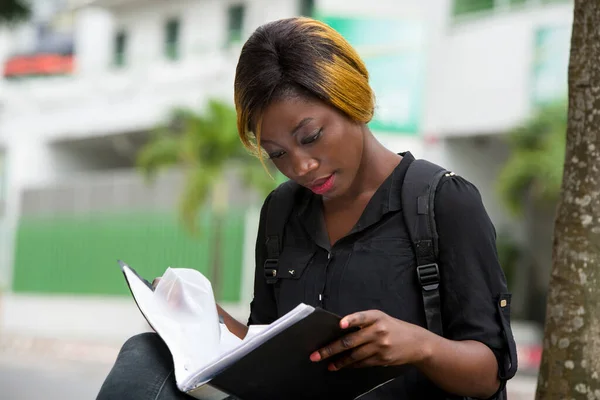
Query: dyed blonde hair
[[298, 57]]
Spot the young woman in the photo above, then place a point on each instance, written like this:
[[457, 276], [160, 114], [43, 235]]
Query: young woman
[[303, 100]]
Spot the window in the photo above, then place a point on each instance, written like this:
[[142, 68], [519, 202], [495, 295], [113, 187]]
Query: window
[[172, 28], [307, 8], [120, 47], [235, 24], [470, 6]]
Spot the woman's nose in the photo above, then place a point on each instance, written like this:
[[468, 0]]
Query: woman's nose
[[304, 164]]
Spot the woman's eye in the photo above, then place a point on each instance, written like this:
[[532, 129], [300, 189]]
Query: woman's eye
[[276, 154], [312, 138]]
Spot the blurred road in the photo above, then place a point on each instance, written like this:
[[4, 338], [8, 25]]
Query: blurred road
[[522, 388], [33, 379]]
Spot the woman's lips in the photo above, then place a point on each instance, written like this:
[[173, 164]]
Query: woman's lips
[[324, 185]]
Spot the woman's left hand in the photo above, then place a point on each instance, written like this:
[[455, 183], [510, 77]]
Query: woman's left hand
[[381, 340]]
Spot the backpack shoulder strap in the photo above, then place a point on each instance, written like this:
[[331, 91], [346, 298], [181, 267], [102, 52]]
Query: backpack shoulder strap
[[418, 195], [279, 209]]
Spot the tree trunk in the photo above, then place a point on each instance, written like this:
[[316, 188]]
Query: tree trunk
[[571, 360]]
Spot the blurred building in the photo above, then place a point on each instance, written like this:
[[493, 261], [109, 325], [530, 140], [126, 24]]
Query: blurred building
[[86, 81]]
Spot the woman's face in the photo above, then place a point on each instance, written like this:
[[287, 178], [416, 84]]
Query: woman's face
[[313, 144]]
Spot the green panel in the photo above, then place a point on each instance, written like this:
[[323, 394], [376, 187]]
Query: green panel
[[232, 248], [77, 255]]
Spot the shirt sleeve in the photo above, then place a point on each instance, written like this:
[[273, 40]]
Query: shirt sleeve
[[473, 285], [263, 309]]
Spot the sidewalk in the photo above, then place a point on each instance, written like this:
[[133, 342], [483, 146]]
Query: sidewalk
[[51, 351], [12, 346], [33, 369]]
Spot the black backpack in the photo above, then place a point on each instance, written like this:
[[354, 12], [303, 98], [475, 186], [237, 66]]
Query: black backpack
[[418, 195]]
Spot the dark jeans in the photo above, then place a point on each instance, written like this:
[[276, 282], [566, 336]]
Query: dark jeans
[[143, 371]]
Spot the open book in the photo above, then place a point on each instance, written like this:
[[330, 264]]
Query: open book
[[271, 362]]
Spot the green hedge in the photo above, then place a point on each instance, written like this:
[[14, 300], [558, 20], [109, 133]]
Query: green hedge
[[77, 255]]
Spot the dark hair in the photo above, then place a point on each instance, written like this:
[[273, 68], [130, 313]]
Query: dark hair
[[298, 57]]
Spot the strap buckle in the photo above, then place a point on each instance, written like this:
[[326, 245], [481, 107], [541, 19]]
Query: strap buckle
[[429, 276], [270, 269]]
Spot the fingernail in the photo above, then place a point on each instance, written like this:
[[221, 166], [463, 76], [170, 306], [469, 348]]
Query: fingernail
[[332, 367], [344, 324], [315, 357]]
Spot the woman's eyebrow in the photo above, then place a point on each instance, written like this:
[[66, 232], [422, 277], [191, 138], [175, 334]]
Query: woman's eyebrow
[[300, 125]]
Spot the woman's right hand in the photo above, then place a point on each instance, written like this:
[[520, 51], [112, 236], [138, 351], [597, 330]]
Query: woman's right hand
[[234, 326], [155, 282], [237, 328]]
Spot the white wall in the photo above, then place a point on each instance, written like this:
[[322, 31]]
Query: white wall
[[5, 227], [94, 28], [6, 39], [482, 82], [90, 318], [386, 8]]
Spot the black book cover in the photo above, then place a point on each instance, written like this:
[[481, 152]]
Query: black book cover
[[281, 369]]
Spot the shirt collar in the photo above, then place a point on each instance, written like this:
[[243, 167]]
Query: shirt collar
[[395, 181], [387, 198]]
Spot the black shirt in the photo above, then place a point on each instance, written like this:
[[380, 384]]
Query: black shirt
[[374, 267]]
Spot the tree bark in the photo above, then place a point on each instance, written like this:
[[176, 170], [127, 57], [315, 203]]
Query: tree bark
[[571, 360]]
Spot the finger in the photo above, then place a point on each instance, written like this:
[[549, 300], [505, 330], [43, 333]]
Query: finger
[[345, 343], [360, 319], [353, 357]]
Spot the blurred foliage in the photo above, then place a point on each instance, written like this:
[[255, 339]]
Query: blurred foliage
[[509, 255], [535, 165], [203, 144], [12, 11]]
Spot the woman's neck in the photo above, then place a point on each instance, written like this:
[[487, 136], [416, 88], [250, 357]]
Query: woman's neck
[[377, 163]]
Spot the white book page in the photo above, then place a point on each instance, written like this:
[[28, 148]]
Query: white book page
[[259, 335], [183, 312]]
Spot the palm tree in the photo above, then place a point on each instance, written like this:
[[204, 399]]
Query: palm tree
[[12, 11], [534, 169], [203, 145], [529, 186]]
